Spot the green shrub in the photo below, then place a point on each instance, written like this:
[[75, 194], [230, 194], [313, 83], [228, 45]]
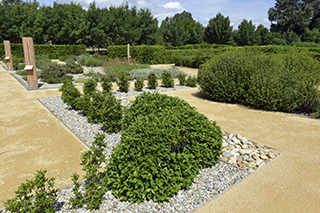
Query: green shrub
[[143, 73], [34, 196], [123, 82], [284, 82], [106, 84], [92, 161], [21, 72], [70, 94], [73, 68], [103, 108], [167, 79], [182, 79], [138, 85], [191, 81], [42, 61], [93, 62], [152, 80], [82, 60], [21, 66], [120, 65], [164, 144], [94, 75], [67, 57], [15, 62], [112, 76], [53, 73], [90, 86]]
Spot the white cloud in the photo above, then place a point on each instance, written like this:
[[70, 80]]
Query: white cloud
[[173, 5]]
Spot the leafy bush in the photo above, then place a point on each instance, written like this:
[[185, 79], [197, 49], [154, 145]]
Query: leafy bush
[[164, 144], [167, 79], [90, 86], [20, 66], [42, 61], [67, 57], [70, 94], [138, 85], [94, 191], [53, 73], [73, 68], [191, 81], [103, 108], [143, 73], [123, 83], [152, 80], [93, 62], [94, 75], [106, 84], [182, 79], [112, 76], [280, 83], [119, 65], [34, 196]]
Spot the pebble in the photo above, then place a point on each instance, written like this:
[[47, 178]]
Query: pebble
[[226, 154]]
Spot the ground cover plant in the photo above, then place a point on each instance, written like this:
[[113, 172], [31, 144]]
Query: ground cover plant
[[164, 144], [89, 61], [143, 73], [282, 82], [113, 67]]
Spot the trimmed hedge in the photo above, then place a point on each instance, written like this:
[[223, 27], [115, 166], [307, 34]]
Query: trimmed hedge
[[282, 82], [53, 51]]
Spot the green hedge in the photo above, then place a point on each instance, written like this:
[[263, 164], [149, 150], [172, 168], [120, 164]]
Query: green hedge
[[144, 54], [282, 82], [53, 51]]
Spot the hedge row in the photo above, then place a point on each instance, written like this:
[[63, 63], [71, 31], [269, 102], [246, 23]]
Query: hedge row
[[53, 51], [283, 82], [194, 55]]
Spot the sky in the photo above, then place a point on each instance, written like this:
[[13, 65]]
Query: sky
[[201, 10]]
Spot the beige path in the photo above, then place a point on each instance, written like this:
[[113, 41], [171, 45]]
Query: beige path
[[291, 183]]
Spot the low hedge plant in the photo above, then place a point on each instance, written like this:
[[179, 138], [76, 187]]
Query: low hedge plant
[[164, 144], [282, 82]]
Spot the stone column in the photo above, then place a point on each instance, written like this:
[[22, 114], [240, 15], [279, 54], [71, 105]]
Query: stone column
[[8, 58], [30, 62]]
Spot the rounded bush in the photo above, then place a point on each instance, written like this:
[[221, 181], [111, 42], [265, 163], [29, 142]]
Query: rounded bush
[[282, 82], [53, 73], [73, 68], [69, 93], [164, 144]]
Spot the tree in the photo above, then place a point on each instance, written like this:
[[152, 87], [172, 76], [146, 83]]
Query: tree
[[96, 34], [292, 15], [246, 34], [148, 26], [311, 35], [262, 33], [219, 30], [181, 29]]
